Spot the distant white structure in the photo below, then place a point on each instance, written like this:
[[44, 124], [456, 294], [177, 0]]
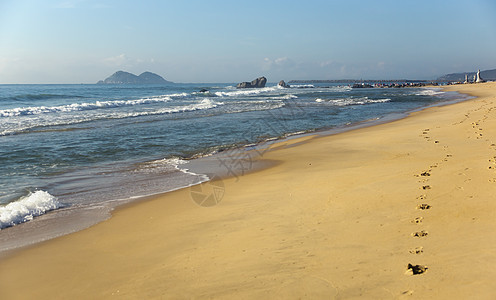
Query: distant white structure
[[478, 77], [466, 79]]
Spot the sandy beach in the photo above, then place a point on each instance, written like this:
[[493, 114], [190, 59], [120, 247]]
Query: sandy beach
[[333, 217]]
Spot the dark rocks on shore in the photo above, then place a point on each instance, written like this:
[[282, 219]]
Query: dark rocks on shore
[[257, 83], [361, 85], [283, 84]]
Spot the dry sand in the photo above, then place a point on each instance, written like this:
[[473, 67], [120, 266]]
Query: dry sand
[[337, 217]]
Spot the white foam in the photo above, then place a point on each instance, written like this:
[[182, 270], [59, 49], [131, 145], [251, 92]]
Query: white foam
[[285, 97], [72, 120], [26, 208], [202, 105], [352, 101], [36, 110], [302, 86], [246, 92], [429, 92], [173, 162], [343, 88]]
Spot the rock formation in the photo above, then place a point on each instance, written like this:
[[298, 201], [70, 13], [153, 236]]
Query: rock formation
[[362, 86], [257, 83], [283, 84]]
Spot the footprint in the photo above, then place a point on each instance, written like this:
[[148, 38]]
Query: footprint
[[423, 206], [417, 220], [416, 269], [420, 233], [417, 250], [408, 293], [426, 187], [424, 173], [421, 197]]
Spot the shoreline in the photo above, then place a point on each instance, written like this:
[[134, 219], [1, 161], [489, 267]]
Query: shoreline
[[89, 215], [323, 221]]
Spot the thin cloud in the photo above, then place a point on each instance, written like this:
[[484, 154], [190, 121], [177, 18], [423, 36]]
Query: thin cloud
[[68, 4], [117, 61]]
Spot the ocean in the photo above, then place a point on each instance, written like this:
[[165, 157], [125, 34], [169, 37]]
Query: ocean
[[71, 153]]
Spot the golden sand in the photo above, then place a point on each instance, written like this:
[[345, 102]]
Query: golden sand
[[339, 217]]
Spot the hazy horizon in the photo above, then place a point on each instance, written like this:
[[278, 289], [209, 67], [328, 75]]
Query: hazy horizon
[[83, 41]]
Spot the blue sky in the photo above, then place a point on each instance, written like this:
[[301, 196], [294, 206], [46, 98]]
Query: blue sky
[[83, 41]]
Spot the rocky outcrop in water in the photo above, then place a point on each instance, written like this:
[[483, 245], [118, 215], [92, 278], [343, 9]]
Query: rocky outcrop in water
[[121, 77], [257, 83], [283, 84], [361, 85]]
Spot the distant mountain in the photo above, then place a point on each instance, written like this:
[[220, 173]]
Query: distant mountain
[[486, 75], [121, 77]]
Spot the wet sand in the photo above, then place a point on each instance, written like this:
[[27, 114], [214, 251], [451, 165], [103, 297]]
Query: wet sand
[[403, 209]]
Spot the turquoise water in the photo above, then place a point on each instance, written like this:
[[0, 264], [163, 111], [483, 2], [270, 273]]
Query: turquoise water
[[64, 146]]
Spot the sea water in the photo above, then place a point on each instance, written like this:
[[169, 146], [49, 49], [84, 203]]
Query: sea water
[[68, 150]]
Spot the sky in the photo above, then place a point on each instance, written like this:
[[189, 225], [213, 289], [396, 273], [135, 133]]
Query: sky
[[83, 41]]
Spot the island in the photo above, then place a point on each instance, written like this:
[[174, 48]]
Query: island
[[122, 77]]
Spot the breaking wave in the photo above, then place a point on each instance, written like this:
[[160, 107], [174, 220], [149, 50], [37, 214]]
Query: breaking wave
[[352, 101], [303, 86], [429, 92], [202, 105], [27, 208], [285, 97], [246, 92], [71, 120], [36, 110]]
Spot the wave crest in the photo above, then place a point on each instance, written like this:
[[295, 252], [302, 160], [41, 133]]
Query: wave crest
[[36, 110], [26, 208], [429, 92], [201, 105], [352, 101], [246, 92]]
